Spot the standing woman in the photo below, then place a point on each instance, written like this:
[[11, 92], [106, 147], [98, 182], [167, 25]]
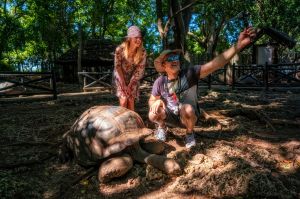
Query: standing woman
[[130, 61]]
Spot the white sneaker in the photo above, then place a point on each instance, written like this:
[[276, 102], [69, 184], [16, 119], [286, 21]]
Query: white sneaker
[[160, 134], [190, 140]]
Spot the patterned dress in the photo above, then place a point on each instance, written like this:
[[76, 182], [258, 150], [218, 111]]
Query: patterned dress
[[132, 74]]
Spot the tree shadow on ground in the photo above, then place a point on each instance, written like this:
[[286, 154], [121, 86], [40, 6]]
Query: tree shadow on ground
[[244, 153]]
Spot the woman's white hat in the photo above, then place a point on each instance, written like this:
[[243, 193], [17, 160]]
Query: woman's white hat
[[134, 31]]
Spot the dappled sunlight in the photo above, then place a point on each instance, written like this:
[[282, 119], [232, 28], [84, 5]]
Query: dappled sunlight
[[226, 180], [243, 158], [123, 187], [199, 163], [286, 154], [131, 181], [233, 168]]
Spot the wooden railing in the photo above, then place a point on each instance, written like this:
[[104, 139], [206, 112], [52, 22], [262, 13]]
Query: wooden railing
[[92, 80], [264, 76], [213, 79], [27, 83], [268, 75], [256, 76], [150, 75]]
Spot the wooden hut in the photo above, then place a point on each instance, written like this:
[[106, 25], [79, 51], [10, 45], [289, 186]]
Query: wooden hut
[[268, 52], [97, 56], [258, 54]]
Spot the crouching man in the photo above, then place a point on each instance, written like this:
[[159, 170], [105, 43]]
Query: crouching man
[[173, 101]]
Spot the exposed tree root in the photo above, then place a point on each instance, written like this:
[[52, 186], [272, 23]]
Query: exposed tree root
[[66, 186], [257, 114], [264, 117], [26, 163], [285, 122], [32, 144]]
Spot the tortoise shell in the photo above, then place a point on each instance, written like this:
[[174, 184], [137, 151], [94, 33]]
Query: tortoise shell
[[97, 129]]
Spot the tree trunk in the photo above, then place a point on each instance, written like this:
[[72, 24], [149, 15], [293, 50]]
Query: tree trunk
[[110, 7], [79, 57], [161, 29], [181, 25], [178, 18], [213, 37]]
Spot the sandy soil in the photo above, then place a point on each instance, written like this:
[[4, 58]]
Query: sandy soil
[[248, 148]]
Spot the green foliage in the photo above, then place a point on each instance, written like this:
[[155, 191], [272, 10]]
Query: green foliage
[[4, 66], [282, 15], [40, 31]]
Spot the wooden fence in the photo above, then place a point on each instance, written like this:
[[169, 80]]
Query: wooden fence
[[252, 76], [268, 75], [93, 79], [27, 83]]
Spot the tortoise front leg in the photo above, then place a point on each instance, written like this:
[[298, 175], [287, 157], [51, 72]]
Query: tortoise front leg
[[114, 167], [152, 145], [124, 140], [164, 164]]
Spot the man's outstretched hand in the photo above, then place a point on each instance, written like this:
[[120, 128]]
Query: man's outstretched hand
[[245, 37]]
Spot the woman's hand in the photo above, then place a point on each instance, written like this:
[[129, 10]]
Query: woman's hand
[[129, 90], [124, 89]]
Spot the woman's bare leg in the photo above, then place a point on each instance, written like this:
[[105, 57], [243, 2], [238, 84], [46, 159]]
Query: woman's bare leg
[[130, 104], [123, 102]]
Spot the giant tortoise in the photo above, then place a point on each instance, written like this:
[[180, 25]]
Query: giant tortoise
[[111, 136]]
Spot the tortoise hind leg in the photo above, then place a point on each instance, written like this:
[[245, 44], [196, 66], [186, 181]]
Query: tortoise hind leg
[[114, 167]]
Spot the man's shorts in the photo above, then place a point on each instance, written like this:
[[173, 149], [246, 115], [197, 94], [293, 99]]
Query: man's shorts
[[173, 120]]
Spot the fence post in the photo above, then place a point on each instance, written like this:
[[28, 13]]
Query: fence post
[[22, 83], [84, 80], [209, 81], [225, 69], [266, 76], [54, 85], [233, 76]]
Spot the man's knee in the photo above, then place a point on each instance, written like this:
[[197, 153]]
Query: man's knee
[[188, 111]]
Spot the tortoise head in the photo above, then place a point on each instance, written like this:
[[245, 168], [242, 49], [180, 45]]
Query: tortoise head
[[146, 131]]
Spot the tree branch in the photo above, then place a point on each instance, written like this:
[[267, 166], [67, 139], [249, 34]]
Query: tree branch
[[196, 38], [184, 8], [159, 18]]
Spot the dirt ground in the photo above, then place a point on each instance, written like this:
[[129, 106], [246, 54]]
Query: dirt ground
[[248, 148]]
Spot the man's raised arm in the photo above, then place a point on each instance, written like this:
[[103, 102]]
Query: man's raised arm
[[222, 59]]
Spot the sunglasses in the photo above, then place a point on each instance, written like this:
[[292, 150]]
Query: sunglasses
[[172, 58]]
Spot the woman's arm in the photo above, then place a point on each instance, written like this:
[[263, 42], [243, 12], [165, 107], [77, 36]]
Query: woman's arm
[[118, 68], [138, 73]]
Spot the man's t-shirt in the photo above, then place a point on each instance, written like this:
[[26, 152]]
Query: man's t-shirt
[[183, 90]]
